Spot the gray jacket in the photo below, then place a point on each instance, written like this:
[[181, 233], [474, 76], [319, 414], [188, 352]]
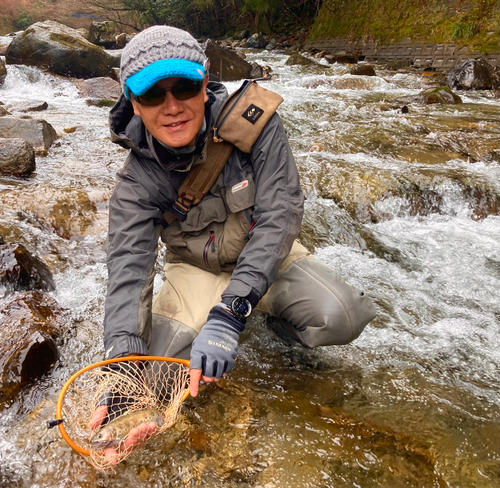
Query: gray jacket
[[147, 186]]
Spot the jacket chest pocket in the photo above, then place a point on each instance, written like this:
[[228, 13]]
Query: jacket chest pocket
[[240, 199], [197, 239]]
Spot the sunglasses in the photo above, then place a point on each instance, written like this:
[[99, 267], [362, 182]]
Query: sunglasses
[[184, 89]]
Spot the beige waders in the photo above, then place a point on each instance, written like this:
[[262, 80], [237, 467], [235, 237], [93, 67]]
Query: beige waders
[[314, 305]]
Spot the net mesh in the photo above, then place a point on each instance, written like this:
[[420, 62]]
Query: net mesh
[[107, 410]]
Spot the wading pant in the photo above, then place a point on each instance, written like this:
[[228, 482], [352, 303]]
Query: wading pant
[[313, 304]]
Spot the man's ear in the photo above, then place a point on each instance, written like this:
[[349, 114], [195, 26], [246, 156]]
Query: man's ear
[[205, 94], [136, 106]]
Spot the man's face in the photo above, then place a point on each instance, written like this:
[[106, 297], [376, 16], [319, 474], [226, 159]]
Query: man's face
[[174, 122]]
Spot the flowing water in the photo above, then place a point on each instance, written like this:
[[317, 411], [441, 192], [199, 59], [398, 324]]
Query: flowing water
[[403, 205]]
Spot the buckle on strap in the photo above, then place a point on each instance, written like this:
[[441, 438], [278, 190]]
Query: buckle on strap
[[179, 211]]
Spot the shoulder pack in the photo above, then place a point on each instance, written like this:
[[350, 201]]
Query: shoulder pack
[[239, 123]]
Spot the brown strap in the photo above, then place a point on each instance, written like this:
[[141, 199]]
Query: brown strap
[[200, 178]]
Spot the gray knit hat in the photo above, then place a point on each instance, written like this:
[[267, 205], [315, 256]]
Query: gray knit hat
[[157, 53]]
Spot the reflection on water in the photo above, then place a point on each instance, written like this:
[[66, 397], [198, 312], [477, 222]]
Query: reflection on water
[[405, 206]]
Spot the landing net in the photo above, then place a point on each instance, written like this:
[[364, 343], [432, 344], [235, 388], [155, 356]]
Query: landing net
[[101, 404]]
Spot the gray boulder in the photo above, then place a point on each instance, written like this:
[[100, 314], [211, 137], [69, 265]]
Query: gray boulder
[[17, 157], [3, 72], [242, 35], [257, 71], [299, 60], [4, 112], [256, 41], [102, 33], [61, 50], [225, 64], [472, 74], [39, 133], [30, 106], [101, 88], [4, 44]]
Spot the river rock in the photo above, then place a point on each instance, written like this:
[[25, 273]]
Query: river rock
[[102, 88], [299, 60], [39, 133], [20, 270], [17, 157], [61, 50], [3, 72], [431, 96], [362, 70], [4, 112], [472, 74], [68, 212], [341, 58], [4, 44], [226, 64], [31, 106], [355, 83], [240, 35], [257, 71], [102, 33], [256, 41], [31, 324], [121, 40], [496, 78]]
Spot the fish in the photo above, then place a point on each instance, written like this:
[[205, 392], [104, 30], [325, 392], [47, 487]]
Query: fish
[[114, 433]]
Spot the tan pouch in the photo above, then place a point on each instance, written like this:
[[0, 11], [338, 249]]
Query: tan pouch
[[244, 115]]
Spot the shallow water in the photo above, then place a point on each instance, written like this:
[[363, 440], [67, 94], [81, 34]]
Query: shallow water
[[404, 206]]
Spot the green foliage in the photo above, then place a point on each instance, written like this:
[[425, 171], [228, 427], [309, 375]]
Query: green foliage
[[157, 12], [465, 30], [23, 21]]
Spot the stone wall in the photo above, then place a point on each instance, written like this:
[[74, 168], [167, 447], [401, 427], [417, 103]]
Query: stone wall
[[418, 54]]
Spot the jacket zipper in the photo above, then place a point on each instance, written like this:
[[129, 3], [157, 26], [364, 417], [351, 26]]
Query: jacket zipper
[[210, 244], [243, 91]]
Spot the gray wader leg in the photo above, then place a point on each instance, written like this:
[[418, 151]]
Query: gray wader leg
[[316, 306]]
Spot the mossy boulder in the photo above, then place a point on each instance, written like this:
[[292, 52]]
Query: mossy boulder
[[3, 72], [61, 50], [299, 60], [102, 33], [362, 70]]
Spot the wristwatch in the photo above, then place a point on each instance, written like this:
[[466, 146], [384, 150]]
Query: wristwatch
[[240, 307]]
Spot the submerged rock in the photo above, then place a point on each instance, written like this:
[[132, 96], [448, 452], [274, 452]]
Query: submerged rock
[[299, 60], [431, 96], [39, 133], [31, 324], [61, 50], [20, 270], [473, 74], [362, 70], [226, 64], [17, 157]]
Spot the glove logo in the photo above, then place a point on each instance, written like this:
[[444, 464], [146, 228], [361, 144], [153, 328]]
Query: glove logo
[[218, 344]]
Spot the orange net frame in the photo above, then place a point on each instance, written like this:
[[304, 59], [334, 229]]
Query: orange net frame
[[127, 393]]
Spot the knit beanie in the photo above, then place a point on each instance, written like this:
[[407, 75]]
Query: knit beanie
[[160, 52]]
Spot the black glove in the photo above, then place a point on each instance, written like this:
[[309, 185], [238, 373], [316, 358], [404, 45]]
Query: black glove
[[216, 347], [117, 402]]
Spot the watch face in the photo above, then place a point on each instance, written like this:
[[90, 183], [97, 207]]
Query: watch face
[[242, 307]]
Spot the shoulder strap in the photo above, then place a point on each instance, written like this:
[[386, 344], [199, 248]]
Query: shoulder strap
[[239, 123], [199, 180]]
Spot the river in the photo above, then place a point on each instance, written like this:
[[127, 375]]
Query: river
[[404, 205]]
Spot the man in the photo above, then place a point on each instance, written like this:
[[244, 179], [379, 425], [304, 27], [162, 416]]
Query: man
[[233, 252]]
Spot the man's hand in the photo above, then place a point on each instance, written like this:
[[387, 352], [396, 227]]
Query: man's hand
[[215, 349], [135, 437]]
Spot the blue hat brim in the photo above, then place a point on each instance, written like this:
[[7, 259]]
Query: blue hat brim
[[140, 82]]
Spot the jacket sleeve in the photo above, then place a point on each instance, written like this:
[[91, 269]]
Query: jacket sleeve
[[279, 207], [134, 226]]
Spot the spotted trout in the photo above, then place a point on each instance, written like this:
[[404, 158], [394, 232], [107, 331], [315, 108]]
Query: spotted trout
[[112, 434]]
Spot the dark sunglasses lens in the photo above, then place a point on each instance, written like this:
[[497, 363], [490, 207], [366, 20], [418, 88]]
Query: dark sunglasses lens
[[152, 97], [186, 89]]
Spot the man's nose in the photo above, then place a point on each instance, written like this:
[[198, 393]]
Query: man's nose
[[171, 106]]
